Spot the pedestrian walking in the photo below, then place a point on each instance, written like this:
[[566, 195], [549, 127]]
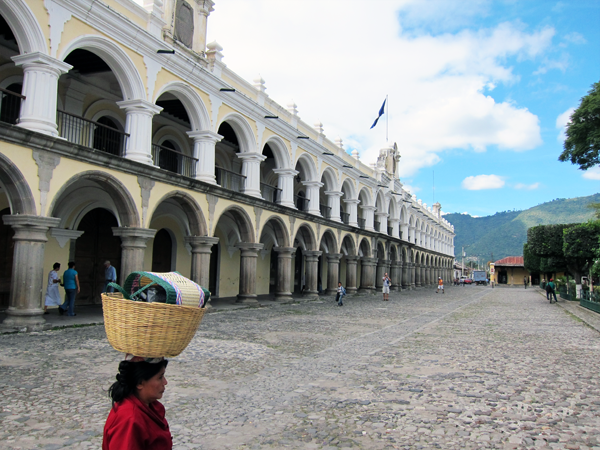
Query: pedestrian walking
[[71, 283], [440, 285], [110, 276], [341, 292], [525, 282], [550, 291], [137, 419], [386, 287], [52, 294]]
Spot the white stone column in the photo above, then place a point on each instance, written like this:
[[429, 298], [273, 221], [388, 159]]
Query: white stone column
[[285, 182], [138, 124], [251, 170], [352, 209], [395, 227], [369, 216], [40, 88], [333, 201], [204, 152], [382, 219], [312, 193]]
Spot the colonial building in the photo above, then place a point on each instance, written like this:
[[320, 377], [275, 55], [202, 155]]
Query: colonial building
[[123, 136]]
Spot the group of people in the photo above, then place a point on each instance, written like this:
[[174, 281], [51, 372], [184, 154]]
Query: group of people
[[70, 282]]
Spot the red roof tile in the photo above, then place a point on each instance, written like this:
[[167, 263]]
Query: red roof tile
[[510, 261]]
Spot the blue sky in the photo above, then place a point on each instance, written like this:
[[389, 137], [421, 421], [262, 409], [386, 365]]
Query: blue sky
[[479, 91]]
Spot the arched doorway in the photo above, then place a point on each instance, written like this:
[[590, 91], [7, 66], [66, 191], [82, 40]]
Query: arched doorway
[[162, 252], [96, 245]]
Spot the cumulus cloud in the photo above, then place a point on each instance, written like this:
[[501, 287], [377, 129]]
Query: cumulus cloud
[[481, 182], [527, 187], [592, 174], [439, 85], [575, 38], [561, 123]]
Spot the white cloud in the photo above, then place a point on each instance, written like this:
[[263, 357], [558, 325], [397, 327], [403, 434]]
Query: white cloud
[[338, 60], [480, 182], [592, 174], [527, 187], [561, 123], [575, 38]]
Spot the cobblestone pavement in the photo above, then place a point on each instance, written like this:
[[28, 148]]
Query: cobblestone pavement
[[473, 368]]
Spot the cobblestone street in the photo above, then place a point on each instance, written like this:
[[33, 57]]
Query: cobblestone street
[[473, 368]]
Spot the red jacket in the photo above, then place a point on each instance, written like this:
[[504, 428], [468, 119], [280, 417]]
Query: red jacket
[[131, 425]]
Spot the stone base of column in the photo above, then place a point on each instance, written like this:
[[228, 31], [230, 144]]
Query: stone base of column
[[248, 299], [283, 297], [366, 290], [351, 291], [331, 291], [25, 320], [310, 294]]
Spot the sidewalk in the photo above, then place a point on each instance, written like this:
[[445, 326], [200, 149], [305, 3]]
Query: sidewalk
[[589, 317], [92, 314]]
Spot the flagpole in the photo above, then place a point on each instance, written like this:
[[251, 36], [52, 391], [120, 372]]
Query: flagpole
[[387, 103]]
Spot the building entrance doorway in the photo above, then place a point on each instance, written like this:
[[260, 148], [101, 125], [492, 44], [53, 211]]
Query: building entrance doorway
[[96, 245]]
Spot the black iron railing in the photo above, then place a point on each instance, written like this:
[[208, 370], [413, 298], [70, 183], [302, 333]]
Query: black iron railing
[[173, 161], [230, 180], [361, 223], [88, 133], [390, 230], [301, 203], [345, 218], [10, 106], [376, 225], [270, 193], [325, 211]]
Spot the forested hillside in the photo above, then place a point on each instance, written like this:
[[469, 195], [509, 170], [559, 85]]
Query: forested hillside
[[504, 233]]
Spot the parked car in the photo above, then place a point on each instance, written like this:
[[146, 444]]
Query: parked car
[[466, 280]]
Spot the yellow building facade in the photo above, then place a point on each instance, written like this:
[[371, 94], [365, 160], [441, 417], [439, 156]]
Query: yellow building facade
[[124, 137]]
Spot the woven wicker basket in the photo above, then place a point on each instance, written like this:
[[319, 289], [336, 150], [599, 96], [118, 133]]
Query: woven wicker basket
[[150, 330], [179, 289]]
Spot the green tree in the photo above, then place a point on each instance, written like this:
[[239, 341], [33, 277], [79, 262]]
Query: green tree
[[582, 146], [531, 261], [580, 245], [546, 242]]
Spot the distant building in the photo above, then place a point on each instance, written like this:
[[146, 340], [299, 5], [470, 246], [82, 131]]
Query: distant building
[[511, 270]]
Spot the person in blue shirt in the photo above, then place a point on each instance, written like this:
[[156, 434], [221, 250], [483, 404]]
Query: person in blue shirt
[[341, 292], [110, 276], [71, 285]]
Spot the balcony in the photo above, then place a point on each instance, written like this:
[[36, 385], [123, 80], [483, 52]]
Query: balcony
[[390, 231], [10, 106], [270, 193], [361, 223], [345, 218], [376, 225], [230, 180], [301, 203], [173, 161], [88, 133], [325, 211]]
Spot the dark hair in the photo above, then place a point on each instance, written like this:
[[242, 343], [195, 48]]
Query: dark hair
[[130, 375], [71, 264], [56, 266]]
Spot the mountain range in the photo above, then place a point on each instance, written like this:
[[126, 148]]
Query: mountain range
[[495, 237]]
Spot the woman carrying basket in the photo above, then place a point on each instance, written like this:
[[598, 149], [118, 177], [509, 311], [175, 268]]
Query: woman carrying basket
[[137, 419]]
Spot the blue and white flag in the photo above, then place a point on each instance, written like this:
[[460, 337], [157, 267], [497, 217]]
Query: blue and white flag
[[381, 112]]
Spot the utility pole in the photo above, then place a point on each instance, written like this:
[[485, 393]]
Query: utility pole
[[462, 264]]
